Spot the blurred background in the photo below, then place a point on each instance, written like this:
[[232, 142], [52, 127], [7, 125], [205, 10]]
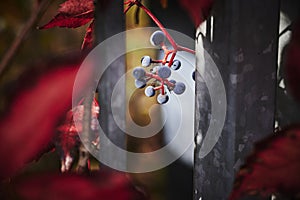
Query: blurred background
[[41, 50]]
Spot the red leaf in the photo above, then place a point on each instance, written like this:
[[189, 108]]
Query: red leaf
[[75, 7], [198, 9], [33, 116], [69, 21], [88, 38], [292, 65], [72, 14], [272, 168], [104, 185], [68, 134]]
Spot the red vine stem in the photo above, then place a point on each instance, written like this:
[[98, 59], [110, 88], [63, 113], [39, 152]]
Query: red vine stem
[[159, 24], [181, 48], [167, 52]]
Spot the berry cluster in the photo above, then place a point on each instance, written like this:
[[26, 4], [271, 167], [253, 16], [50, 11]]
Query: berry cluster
[[159, 72], [162, 70]]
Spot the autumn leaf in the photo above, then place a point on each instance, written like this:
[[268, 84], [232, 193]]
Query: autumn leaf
[[100, 185], [30, 122], [67, 138], [73, 14], [198, 9], [272, 168], [88, 38], [292, 65]]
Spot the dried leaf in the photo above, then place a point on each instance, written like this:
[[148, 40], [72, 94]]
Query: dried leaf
[[272, 168], [198, 9]]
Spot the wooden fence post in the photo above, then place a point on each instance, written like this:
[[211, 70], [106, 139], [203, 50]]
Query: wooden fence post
[[110, 20], [243, 39]]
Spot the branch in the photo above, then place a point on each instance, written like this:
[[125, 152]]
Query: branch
[[38, 8]]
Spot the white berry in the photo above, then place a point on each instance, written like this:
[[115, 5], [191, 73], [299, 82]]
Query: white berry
[[149, 91], [140, 83], [176, 65], [146, 61], [162, 99]]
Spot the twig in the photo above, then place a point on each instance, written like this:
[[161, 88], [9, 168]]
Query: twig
[[38, 8]]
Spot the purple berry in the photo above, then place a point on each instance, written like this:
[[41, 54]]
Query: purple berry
[[164, 72], [149, 91], [157, 38], [139, 73], [172, 81], [179, 88]]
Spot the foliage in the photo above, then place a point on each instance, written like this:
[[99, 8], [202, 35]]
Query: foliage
[[272, 168], [73, 14]]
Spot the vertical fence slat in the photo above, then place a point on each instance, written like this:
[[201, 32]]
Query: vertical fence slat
[[244, 48], [110, 21]]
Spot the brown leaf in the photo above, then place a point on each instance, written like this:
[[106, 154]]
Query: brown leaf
[[272, 168]]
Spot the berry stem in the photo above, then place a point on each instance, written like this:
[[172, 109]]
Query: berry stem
[[181, 48], [159, 24], [162, 90], [154, 76], [170, 84], [129, 6], [176, 47], [172, 58]]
